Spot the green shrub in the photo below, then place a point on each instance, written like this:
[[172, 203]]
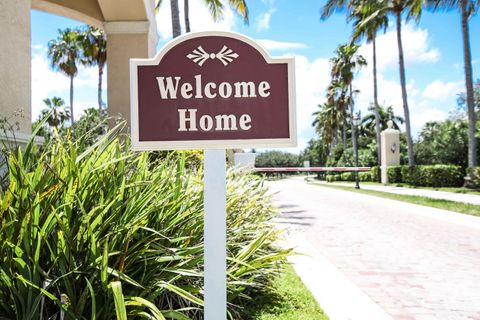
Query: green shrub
[[394, 174], [433, 176], [365, 176], [330, 178], [376, 175], [88, 232], [347, 176], [474, 177]]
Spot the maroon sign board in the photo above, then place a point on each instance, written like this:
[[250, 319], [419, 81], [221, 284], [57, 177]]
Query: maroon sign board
[[212, 90]]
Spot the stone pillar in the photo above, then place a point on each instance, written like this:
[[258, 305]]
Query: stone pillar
[[390, 148], [125, 40], [15, 64]]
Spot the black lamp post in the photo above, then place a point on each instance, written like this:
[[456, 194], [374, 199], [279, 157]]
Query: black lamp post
[[355, 149]]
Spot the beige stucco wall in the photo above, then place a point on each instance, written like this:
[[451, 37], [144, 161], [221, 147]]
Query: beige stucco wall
[[120, 48], [15, 62]]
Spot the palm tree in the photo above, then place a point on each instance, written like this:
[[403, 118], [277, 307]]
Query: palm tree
[[413, 9], [366, 25], [216, 9], [55, 107], [368, 122], [65, 54], [94, 48], [326, 122], [337, 96], [467, 9]]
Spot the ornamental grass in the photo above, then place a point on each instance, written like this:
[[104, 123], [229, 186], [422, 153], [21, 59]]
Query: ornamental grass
[[100, 232]]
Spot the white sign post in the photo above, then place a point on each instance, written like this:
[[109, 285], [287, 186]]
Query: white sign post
[[215, 235], [212, 91]]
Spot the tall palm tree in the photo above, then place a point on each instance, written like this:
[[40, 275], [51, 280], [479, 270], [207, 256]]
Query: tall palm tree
[[366, 25], [409, 8], [467, 8], [94, 52], [59, 115], [64, 53], [337, 96], [216, 9], [413, 9]]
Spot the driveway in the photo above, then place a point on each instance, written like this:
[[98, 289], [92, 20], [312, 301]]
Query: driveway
[[413, 262]]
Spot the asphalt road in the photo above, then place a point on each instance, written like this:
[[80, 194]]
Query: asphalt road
[[414, 262]]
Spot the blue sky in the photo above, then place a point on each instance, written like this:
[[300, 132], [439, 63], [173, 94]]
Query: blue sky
[[433, 50]]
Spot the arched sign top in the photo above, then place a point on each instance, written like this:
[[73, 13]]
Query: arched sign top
[[212, 90], [234, 35]]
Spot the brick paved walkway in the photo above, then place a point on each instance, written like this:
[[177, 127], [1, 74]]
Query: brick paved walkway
[[414, 262]]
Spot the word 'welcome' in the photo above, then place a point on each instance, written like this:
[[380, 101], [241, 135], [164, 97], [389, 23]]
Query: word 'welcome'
[[169, 88]]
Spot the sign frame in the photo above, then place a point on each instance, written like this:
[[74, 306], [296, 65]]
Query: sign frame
[[138, 145]]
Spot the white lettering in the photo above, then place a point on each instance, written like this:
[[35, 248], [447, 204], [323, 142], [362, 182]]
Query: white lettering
[[198, 86], [206, 123], [208, 93], [186, 90], [245, 120], [245, 89], [168, 89], [263, 89], [192, 119], [225, 122], [225, 90]]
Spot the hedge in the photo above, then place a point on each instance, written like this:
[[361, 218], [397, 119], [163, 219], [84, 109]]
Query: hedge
[[433, 176], [365, 176], [376, 174], [347, 176], [394, 174], [474, 175]]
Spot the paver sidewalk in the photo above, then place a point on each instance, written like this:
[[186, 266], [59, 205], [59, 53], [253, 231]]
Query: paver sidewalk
[[434, 194], [414, 262]]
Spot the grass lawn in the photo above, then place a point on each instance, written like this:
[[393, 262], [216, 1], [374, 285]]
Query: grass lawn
[[287, 299], [448, 189], [460, 207]]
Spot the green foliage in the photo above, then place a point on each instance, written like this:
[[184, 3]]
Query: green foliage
[[91, 126], [316, 152], [376, 174], [433, 176], [474, 176], [277, 159], [100, 231], [365, 176], [287, 298], [443, 142], [394, 174], [347, 176]]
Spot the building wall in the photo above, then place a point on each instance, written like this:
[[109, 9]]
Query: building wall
[[15, 63]]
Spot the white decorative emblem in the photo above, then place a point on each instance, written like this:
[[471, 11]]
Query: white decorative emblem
[[199, 55]]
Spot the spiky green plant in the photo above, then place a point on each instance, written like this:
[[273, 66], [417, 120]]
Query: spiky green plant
[[101, 232]]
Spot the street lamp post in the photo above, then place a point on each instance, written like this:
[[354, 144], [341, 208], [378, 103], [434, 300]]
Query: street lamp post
[[355, 149]]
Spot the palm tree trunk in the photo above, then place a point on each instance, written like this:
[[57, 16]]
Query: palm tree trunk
[[467, 59], [375, 101], [187, 16], [176, 31], [354, 135], [401, 62], [71, 99], [100, 75], [344, 131]]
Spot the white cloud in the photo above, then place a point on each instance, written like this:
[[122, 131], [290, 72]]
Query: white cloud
[[416, 48], [47, 83], [441, 91], [263, 22], [311, 80], [200, 18], [280, 45]]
